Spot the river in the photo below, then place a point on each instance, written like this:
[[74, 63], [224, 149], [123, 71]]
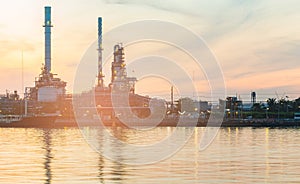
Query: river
[[236, 155]]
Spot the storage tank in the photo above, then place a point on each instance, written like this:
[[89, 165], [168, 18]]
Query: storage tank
[[49, 93]]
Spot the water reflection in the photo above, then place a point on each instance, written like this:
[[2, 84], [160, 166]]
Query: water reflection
[[48, 155], [101, 160], [101, 164], [116, 147], [243, 155], [117, 168]]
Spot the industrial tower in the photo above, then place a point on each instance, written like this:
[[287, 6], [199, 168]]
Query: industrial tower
[[48, 27], [100, 72], [47, 87]]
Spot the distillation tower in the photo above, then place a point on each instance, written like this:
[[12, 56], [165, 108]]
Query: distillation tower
[[48, 88]]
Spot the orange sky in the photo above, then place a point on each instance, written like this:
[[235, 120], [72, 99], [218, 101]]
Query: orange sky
[[256, 43]]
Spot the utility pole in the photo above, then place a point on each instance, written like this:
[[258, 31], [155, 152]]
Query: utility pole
[[172, 98]]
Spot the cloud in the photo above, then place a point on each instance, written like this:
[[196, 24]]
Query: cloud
[[249, 37], [280, 55], [10, 46]]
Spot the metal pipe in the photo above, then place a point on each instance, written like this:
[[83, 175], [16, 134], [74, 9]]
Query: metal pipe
[[25, 107], [100, 74], [47, 26]]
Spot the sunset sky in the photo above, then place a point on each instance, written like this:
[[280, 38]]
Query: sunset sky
[[257, 43]]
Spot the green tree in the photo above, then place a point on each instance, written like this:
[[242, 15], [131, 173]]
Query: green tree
[[272, 104], [258, 110], [257, 107], [296, 105]]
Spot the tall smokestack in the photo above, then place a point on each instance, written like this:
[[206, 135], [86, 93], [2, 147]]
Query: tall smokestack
[[100, 74], [48, 26]]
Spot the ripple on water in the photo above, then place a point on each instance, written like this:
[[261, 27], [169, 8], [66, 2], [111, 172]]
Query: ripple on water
[[236, 155]]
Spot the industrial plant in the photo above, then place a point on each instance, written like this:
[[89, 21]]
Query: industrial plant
[[46, 104]]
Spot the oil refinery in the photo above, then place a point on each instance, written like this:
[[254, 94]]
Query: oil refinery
[[47, 105]]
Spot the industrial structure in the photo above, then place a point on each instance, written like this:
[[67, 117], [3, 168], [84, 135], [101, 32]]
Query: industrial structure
[[48, 96], [47, 104], [48, 88], [48, 25], [100, 49]]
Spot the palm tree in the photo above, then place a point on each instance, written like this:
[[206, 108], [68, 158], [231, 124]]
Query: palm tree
[[257, 107], [272, 104], [297, 105]]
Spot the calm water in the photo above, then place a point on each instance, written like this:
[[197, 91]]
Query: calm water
[[236, 155]]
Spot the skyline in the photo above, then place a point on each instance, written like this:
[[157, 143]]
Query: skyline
[[256, 43]]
